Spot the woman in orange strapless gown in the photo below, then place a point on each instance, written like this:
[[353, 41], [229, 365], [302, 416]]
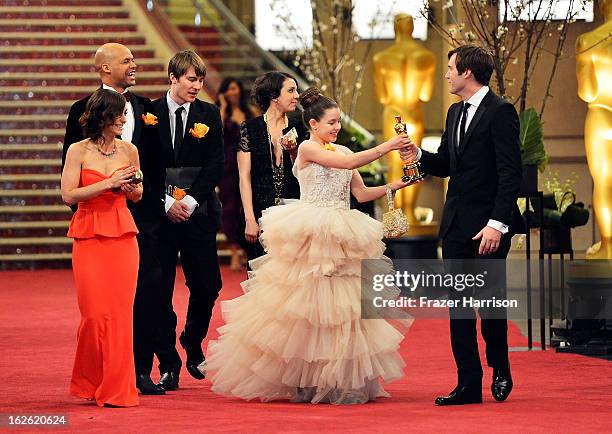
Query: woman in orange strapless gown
[[98, 176]]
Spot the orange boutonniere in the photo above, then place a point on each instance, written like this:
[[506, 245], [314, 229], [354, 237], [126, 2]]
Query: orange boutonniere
[[328, 147], [149, 119], [178, 193], [199, 130]]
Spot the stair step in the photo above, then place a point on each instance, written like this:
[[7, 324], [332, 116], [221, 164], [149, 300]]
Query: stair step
[[33, 132], [100, 14], [75, 39], [35, 225], [35, 249], [31, 163], [61, 52], [37, 200], [43, 228], [63, 3], [57, 139], [31, 177], [66, 89], [71, 93], [31, 154], [34, 209], [32, 118], [68, 35], [101, 27], [37, 257], [64, 48], [29, 192], [93, 82], [33, 148], [34, 241], [73, 9], [62, 22], [70, 75]]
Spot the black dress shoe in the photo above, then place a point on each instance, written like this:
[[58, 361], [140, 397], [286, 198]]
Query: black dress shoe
[[194, 359], [169, 380], [462, 395], [146, 386], [501, 385]]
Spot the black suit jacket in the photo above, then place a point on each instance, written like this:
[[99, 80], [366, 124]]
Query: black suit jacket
[[485, 173], [149, 210], [207, 153]]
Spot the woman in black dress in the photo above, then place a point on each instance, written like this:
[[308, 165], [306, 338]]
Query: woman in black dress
[[265, 159], [235, 109]]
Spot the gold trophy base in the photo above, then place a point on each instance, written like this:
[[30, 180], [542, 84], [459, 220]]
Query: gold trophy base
[[412, 173]]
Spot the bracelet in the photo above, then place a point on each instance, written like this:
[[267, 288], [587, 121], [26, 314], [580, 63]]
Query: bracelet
[[380, 154]]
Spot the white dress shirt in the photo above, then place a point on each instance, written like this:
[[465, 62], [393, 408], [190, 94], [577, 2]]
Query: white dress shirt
[[130, 122], [475, 101], [172, 107]]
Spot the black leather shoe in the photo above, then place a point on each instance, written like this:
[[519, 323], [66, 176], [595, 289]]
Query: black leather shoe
[[462, 395], [146, 386], [194, 359], [501, 385], [169, 380]]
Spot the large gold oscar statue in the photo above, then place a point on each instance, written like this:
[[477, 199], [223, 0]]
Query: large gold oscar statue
[[404, 79], [594, 72]]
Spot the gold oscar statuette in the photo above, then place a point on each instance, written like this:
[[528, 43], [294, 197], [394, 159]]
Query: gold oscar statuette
[[411, 169]]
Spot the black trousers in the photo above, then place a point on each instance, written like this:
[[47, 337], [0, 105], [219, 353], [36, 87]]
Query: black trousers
[[203, 278], [494, 325], [147, 303]]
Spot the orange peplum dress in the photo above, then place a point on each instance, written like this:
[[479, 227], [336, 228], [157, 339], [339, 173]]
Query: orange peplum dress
[[105, 266]]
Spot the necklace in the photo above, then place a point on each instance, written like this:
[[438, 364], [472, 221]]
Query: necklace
[[107, 154], [277, 171]]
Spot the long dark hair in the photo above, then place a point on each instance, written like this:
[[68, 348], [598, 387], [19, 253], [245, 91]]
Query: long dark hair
[[102, 109], [244, 100]]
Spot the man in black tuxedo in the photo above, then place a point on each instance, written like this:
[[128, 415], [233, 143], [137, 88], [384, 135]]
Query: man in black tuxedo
[[191, 137], [117, 69], [480, 152]]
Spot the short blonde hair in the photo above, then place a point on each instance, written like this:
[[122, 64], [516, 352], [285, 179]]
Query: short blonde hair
[[181, 61]]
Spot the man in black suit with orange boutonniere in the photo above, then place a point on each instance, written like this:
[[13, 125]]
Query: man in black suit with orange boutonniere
[[117, 69], [191, 138], [480, 152]]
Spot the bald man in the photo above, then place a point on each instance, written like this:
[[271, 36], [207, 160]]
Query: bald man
[[117, 69]]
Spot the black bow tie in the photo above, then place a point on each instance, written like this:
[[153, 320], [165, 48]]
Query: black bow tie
[[127, 95]]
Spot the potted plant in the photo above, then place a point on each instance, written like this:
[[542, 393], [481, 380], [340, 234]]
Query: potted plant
[[533, 155]]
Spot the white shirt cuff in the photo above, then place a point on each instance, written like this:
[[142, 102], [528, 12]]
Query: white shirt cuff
[[169, 202], [190, 202], [498, 225], [419, 154]]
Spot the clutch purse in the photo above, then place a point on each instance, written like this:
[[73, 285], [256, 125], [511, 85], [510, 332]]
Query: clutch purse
[[395, 222], [179, 180]]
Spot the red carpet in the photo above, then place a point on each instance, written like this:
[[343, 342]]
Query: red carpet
[[38, 323]]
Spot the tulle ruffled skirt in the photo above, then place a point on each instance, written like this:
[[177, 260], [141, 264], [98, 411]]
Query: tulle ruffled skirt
[[298, 332]]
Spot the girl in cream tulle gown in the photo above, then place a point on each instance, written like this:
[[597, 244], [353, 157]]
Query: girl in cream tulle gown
[[297, 333]]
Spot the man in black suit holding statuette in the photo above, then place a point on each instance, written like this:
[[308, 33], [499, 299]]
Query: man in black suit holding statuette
[[480, 153]]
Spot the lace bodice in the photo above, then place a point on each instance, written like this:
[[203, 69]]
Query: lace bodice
[[324, 186]]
